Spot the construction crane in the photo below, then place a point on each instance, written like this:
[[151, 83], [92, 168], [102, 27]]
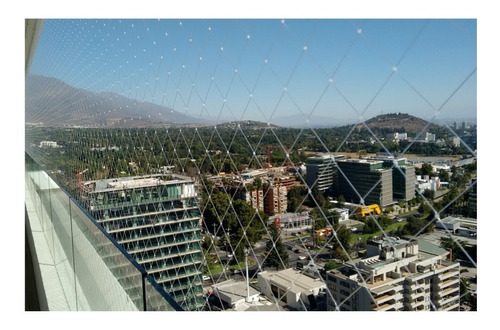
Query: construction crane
[[269, 155], [79, 175]]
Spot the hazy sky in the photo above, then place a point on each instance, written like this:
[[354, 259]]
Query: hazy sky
[[266, 69]]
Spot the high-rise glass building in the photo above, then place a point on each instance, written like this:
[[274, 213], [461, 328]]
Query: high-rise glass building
[[157, 221]]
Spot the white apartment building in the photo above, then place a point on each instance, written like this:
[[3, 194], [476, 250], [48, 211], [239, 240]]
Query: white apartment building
[[396, 275], [425, 182]]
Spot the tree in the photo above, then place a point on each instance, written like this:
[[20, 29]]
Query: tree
[[426, 169], [370, 226], [341, 201], [343, 236], [277, 255], [424, 208], [465, 297], [329, 266], [455, 246], [444, 175], [416, 226], [384, 221], [258, 183], [208, 243], [429, 194], [319, 221]]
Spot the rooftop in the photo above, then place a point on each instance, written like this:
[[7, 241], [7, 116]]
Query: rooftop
[[363, 160], [136, 181], [233, 292], [293, 280]]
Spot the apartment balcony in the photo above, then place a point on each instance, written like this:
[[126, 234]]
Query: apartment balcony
[[449, 273], [416, 303], [392, 304], [453, 306], [446, 283], [381, 299], [448, 291], [416, 291], [450, 299]]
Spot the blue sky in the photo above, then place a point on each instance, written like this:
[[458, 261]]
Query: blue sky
[[263, 69]]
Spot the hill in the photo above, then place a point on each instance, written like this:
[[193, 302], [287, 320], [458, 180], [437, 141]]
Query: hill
[[398, 122], [246, 124], [55, 103]]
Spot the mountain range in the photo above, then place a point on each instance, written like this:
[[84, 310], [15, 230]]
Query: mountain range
[[54, 103]]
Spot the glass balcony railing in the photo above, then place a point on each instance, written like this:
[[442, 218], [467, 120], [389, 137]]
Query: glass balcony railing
[[93, 271]]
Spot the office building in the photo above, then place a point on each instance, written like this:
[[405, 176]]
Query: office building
[[320, 171], [156, 219], [365, 182], [396, 275], [403, 179]]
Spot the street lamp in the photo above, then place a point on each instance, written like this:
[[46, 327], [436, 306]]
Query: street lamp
[[246, 251]]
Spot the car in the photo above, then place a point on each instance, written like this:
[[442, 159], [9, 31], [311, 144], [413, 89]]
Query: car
[[295, 234], [296, 251], [206, 278], [301, 258]]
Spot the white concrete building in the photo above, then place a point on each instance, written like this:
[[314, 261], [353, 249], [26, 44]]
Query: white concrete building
[[290, 286], [425, 182], [429, 137], [235, 293], [397, 136], [396, 275]]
